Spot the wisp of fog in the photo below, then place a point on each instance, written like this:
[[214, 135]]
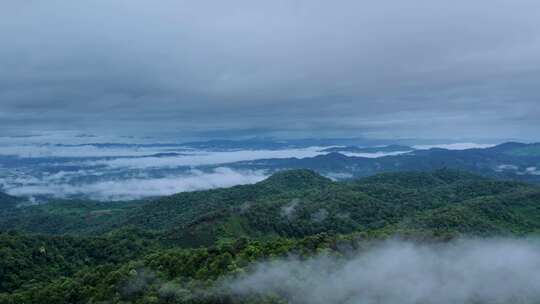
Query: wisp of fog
[[463, 271]]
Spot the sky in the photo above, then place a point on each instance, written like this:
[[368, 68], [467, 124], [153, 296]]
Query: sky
[[284, 68]]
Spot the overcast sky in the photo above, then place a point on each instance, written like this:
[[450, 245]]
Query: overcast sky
[[416, 68]]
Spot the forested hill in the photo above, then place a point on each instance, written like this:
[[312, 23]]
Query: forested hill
[[90, 252], [289, 203], [515, 161], [8, 201]]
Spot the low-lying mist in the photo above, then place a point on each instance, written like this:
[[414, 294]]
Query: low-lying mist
[[61, 185], [392, 272]]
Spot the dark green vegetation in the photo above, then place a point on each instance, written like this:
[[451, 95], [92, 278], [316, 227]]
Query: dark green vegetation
[[176, 249], [8, 201], [66, 216]]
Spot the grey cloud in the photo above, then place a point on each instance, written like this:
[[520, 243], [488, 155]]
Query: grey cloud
[[379, 69]]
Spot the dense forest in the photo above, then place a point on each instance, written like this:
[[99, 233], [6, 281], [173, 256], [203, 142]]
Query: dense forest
[[181, 248]]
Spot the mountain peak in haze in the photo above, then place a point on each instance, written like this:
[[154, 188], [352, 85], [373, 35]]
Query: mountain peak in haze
[[509, 145]]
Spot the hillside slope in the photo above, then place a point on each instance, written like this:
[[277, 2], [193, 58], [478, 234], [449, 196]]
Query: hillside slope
[[8, 201], [294, 203], [193, 240], [385, 202]]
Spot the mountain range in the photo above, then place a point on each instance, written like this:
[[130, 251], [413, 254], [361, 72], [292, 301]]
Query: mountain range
[[73, 251], [516, 161]]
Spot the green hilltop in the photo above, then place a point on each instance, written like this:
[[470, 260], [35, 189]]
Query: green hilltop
[[85, 252]]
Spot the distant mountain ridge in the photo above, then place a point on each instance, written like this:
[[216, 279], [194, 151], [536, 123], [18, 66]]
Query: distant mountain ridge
[[355, 149], [513, 161]]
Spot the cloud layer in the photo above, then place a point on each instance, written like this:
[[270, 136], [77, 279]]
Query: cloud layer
[[205, 68], [61, 166], [465, 271], [134, 188]]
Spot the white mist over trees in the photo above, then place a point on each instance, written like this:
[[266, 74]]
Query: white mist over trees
[[465, 271]]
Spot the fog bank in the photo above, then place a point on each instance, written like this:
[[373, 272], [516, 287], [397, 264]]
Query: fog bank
[[135, 188], [464, 271]]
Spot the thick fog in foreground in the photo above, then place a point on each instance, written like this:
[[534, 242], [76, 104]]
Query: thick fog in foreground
[[465, 271]]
